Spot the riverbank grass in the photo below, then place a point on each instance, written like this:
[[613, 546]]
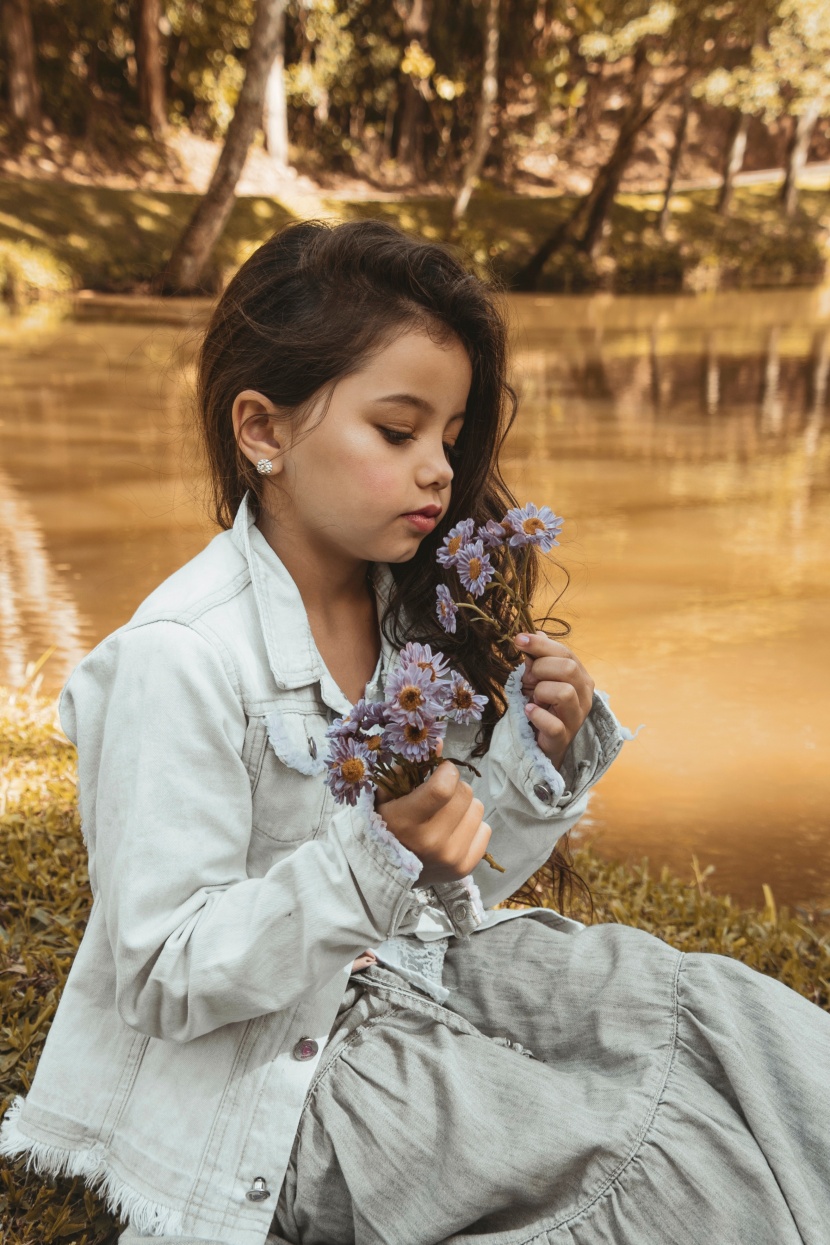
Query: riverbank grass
[[45, 900], [116, 240]]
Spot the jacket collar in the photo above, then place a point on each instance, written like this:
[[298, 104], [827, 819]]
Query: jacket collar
[[293, 656]]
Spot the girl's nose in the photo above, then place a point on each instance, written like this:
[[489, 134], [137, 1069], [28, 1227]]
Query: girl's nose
[[437, 473]]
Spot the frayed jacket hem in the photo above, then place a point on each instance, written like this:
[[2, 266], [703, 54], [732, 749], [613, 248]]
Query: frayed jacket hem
[[146, 1217]]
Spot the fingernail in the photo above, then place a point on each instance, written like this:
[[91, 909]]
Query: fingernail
[[529, 708], [522, 639]]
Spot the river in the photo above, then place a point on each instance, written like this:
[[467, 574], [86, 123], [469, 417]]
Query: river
[[685, 440]]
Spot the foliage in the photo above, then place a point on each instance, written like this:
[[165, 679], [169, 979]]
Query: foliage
[[786, 73], [29, 273], [45, 900]]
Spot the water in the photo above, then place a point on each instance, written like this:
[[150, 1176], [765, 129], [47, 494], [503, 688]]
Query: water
[[685, 442]]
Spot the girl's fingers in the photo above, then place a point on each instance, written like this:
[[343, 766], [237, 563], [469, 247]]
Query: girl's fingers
[[561, 699], [553, 733]]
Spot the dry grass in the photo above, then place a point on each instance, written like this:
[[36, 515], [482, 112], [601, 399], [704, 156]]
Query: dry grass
[[45, 898]]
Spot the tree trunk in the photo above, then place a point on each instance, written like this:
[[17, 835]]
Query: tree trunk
[[193, 250], [607, 181], [734, 160], [674, 162], [489, 94], [275, 121], [24, 89], [151, 94], [594, 209], [416, 23], [797, 151]]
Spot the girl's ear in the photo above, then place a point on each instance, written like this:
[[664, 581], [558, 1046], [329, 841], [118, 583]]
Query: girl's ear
[[255, 421]]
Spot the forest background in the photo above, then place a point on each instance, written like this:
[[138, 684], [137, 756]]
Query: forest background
[[571, 144]]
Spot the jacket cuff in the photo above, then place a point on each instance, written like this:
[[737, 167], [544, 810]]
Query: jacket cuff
[[401, 857], [553, 791], [461, 900], [383, 868]]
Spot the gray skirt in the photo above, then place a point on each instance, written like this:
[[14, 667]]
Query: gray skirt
[[588, 1088]]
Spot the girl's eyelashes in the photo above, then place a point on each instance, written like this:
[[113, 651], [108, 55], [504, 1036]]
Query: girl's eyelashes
[[396, 437]]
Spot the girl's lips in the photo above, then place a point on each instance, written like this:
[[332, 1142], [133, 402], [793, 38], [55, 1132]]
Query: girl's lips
[[423, 522]]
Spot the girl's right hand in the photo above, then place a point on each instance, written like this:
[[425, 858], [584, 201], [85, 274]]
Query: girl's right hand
[[440, 821]]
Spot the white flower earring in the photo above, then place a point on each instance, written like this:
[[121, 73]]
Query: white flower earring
[[264, 466]]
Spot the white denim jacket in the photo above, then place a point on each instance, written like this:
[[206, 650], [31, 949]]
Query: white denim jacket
[[231, 895]]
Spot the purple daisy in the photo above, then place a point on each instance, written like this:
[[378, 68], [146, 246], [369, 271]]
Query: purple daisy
[[362, 715], [491, 534], [454, 541], [411, 695], [474, 568], [350, 769], [465, 703], [415, 742], [378, 747], [423, 656], [533, 527], [445, 608]]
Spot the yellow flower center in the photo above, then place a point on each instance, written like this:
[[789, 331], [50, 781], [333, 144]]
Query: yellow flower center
[[415, 734], [410, 697], [352, 769], [454, 544], [463, 699], [533, 525], [427, 665], [373, 743], [474, 568]]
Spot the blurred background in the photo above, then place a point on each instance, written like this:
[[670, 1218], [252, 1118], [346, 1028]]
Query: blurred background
[[651, 184]]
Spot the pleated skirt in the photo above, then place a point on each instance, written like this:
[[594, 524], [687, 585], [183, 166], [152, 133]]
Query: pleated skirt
[[595, 1087]]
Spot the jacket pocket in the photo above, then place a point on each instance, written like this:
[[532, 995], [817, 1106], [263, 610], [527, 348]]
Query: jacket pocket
[[288, 783]]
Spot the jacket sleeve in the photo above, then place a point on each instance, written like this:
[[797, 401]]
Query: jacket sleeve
[[167, 810], [528, 803]]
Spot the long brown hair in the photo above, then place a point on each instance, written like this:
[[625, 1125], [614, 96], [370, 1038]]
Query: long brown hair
[[307, 309]]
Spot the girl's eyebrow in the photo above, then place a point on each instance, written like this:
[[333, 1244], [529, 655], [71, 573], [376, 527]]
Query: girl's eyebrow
[[420, 404]]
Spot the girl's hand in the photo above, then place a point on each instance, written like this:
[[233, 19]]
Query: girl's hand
[[440, 821], [561, 693]]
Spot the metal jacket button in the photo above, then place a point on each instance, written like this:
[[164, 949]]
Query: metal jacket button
[[460, 912], [259, 1190], [312, 746], [306, 1048], [544, 792]]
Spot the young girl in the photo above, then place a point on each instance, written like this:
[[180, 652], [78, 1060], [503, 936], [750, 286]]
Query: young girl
[[296, 1021]]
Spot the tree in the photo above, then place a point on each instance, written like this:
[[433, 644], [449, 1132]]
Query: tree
[[24, 91], [417, 66], [193, 250], [788, 74], [487, 108], [275, 119], [674, 158], [151, 92], [641, 41]]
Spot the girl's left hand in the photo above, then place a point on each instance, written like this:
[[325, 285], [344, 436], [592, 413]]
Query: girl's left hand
[[561, 693]]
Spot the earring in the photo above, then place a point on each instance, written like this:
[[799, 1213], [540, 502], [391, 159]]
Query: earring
[[264, 466]]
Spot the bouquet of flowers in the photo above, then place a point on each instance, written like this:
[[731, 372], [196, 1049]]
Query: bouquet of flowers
[[391, 744]]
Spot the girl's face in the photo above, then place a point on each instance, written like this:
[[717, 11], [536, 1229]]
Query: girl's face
[[381, 452]]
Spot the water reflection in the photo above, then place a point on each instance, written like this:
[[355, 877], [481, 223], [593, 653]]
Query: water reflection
[[36, 610], [685, 442]]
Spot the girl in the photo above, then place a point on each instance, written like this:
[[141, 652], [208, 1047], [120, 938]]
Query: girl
[[278, 1027]]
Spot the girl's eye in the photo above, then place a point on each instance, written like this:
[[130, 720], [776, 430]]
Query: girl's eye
[[395, 437]]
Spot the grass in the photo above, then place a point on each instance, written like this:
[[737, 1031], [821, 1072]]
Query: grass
[[45, 899], [115, 240]]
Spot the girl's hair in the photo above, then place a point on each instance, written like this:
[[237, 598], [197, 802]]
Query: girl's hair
[[309, 307]]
